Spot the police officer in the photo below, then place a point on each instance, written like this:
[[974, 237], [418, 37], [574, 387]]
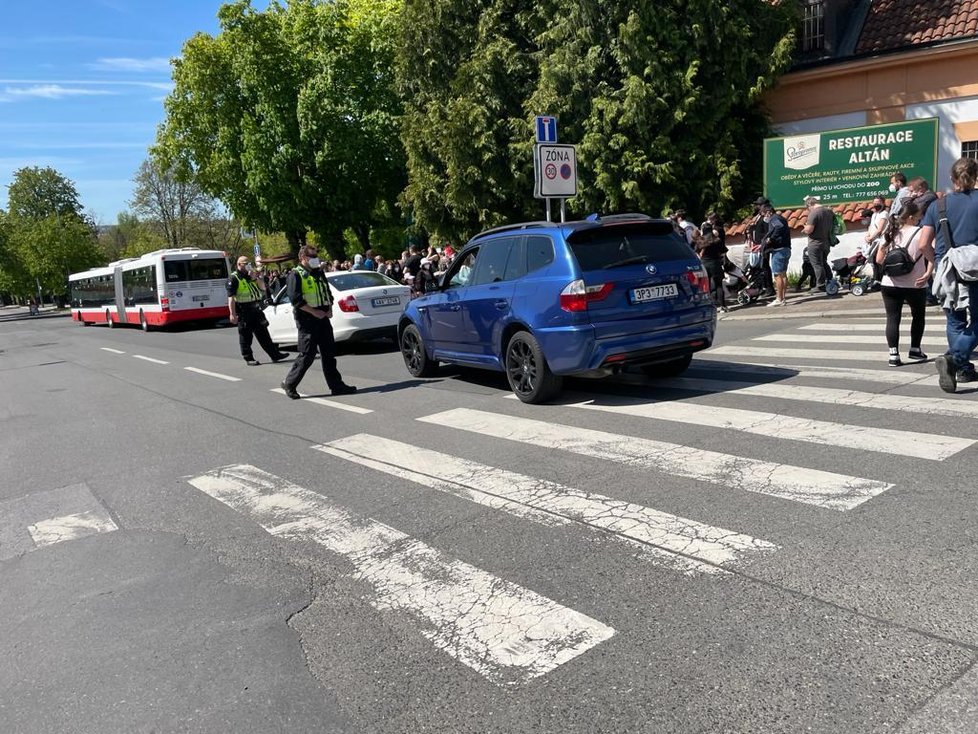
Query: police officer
[[245, 295], [312, 306]]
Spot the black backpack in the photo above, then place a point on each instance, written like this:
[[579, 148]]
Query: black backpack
[[898, 262]]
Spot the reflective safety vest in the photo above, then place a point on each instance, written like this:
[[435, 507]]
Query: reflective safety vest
[[315, 292], [247, 291]]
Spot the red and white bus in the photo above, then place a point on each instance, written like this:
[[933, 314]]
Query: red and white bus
[[159, 288]]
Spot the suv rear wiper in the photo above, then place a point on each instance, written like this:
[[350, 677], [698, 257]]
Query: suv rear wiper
[[628, 261]]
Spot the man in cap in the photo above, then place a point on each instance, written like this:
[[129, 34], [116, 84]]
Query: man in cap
[[818, 227]]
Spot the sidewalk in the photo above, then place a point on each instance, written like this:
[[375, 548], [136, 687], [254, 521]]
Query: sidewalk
[[813, 305], [15, 313]]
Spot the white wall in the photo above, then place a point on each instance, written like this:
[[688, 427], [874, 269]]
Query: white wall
[[821, 124], [949, 147], [848, 244]]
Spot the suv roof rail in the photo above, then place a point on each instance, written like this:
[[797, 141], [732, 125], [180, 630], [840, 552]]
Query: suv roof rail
[[510, 227], [625, 217]]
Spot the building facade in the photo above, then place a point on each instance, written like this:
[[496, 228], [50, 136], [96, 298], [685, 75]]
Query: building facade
[[864, 62]]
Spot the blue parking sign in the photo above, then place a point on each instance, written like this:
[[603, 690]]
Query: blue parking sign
[[546, 129]]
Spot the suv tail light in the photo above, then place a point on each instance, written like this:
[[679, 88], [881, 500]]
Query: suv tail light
[[348, 304], [576, 296], [699, 280]]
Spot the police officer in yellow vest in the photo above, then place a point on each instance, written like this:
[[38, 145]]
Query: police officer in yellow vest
[[245, 295], [312, 306]]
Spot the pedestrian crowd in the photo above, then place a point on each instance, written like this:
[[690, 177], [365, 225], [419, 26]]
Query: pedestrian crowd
[[417, 267], [922, 250]]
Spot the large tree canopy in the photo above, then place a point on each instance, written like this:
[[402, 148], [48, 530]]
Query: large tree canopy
[[45, 233], [661, 99], [290, 117]]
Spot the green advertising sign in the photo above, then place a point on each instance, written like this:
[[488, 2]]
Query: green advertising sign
[[848, 165]]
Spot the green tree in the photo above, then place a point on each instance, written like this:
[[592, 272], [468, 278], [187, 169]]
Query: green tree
[[662, 99], [290, 117], [172, 210], [48, 235]]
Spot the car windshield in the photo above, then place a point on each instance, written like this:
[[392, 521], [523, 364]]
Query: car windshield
[[611, 247], [359, 279]]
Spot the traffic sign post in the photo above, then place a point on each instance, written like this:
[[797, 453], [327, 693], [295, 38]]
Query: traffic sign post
[[554, 166], [546, 129]]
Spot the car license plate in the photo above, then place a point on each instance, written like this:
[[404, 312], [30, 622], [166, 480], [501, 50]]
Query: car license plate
[[202, 298], [389, 301], [654, 293]]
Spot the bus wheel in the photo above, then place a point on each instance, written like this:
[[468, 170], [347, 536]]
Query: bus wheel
[[142, 321], [108, 319]]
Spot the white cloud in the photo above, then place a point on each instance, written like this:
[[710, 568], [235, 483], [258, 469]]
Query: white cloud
[[155, 64], [53, 91]]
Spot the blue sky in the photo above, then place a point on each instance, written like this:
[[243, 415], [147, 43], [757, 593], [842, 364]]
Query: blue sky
[[82, 85]]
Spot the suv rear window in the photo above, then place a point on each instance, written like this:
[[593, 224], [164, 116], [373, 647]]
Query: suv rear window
[[609, 247]]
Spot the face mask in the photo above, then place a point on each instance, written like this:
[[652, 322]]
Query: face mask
[[314, 262], [249, 268], [878, 207], [892, 188]]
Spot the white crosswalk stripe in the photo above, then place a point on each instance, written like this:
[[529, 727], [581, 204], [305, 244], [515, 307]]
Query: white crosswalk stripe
[[769, 353], [830, 396], [680, 543], [504, 631], [873, 326], [816, 372], [774, 425], [858, 339], [814, 487]]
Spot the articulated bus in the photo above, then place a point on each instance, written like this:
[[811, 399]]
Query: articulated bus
[[157, 289]]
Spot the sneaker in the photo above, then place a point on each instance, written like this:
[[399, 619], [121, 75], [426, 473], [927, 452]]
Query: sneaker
[[947, 376], [252, 362], [775, 302], [894, 361], [280, 356], [343, 389], [966, 376], [291, 392], [916, 354]]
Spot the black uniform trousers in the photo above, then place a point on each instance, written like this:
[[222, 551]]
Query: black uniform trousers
[[252, 323], [315, 334]]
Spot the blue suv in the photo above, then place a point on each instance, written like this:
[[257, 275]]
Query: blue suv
[[542, 300]]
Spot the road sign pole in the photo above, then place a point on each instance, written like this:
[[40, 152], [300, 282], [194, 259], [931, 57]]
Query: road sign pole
[[563, 210], [548, 208]]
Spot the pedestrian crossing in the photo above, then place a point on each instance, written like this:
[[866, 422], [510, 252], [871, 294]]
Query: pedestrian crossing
[[50, 517], [510, 633], [500, 629]]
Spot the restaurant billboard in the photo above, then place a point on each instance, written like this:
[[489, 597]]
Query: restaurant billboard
[[850, 165]]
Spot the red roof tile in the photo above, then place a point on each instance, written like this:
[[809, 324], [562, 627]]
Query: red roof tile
[[893, 24], [851, 212]]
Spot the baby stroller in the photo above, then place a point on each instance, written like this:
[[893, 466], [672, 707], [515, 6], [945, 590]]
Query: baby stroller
[[744, 284], [858, 273]]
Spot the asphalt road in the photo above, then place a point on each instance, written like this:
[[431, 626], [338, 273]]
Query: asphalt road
[[789, 548]]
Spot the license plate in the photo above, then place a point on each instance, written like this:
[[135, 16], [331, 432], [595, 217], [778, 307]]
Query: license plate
[[202, 298], [389, 301], [654, 293]]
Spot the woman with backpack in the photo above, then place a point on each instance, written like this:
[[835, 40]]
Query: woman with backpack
[[906, 263]]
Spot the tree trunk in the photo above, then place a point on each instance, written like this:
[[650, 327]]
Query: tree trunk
[[296, 239]]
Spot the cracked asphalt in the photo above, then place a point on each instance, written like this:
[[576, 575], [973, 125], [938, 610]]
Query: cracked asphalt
[[190, 617]]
